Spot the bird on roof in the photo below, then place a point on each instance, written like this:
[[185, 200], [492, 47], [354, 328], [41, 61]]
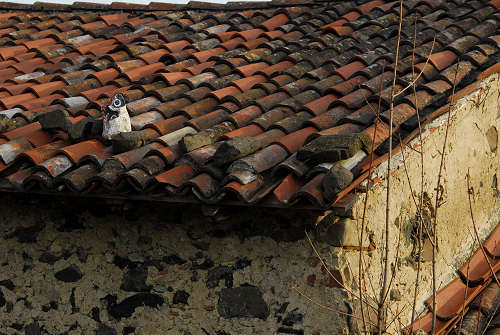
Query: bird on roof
[[116, 118]]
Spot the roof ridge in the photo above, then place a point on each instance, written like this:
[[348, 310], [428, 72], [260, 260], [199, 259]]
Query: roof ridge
[[157, 6]]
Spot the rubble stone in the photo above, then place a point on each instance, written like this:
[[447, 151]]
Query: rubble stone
[[243, 301], [70, 274]]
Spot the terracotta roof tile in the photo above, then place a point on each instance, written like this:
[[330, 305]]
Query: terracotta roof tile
[[7, 52], [492, 245], [208, 120], [292, 142], [311, 192], [348, 86], [289, 186], [320, 105], [47, 88], [227, 91], [452, 299], [275, 22], [176, 176], [477, 269], [173, 77], [278, 75], [244, 116], [443, 59], [106, 76], [471, 299], [76, 151], [329, 118], [11, 102], [115, 19], [489, 71], [354, 100], [249, 82]]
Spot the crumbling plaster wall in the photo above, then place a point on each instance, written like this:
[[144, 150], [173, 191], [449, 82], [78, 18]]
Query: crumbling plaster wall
[[472, 147]]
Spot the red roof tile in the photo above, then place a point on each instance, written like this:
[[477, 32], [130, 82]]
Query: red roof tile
[[7, 52], [477, 269], [76, 151], [247, 83], [280, 75], [321, 105], [451, 299], [173, 77], [443, 59], [251, 130], [47, 88], [469, 294], [492, 245], [176, 176]]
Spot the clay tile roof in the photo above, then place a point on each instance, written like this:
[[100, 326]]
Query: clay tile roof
[[470, 301], [196, 76]]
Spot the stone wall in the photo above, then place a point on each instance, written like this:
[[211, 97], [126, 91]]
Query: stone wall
[[77, 266]]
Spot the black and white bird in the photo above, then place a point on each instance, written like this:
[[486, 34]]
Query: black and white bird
[[116, 118]]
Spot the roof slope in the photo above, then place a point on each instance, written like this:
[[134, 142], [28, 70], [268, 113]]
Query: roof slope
[[277, 74]]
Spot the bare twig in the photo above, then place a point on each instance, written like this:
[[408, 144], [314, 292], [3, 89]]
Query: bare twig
[[369, 281], [398, 246], [396, 316], [436, 206], [419, 235], [328, 270], [414, 81], [497, 308], [381, 310], [462, 313], [324, 306], [361, 277], [470, 192], [420, 206]]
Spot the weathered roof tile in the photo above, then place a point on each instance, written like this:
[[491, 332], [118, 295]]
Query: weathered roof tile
[[278, 72]]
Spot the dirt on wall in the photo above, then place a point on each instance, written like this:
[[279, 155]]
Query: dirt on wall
[[77, 266]]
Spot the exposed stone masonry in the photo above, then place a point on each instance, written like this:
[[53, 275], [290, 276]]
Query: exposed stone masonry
[[73, 266]]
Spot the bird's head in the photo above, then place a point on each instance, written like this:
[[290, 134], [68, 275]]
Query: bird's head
[[112, 110]]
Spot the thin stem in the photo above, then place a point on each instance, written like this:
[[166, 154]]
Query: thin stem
[[436, 205], [414, 81], [470, 192], [465, 297], [421, 202], [396, 261], [490, 319], [324, 306], [381, 311], [328, 270], [363, 220]]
